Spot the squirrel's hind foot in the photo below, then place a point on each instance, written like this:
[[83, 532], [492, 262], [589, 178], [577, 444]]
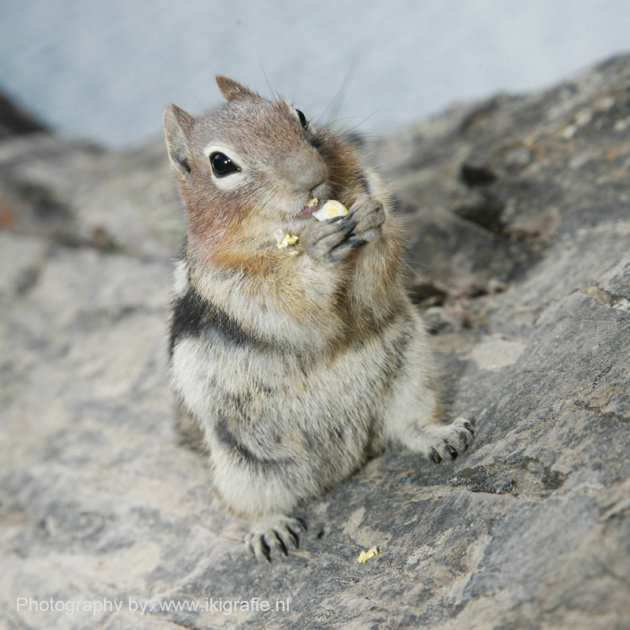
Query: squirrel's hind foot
[[274, 535]]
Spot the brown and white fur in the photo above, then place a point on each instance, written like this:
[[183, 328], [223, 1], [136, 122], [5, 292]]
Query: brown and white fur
[[295, 368]]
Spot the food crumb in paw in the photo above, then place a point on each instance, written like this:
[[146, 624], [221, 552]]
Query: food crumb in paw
[[312, 202], [331, 210], [364, 556]]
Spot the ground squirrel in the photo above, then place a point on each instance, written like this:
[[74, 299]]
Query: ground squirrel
[[295, 363]]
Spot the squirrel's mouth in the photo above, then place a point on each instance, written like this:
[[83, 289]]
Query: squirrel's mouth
[[312, 205]]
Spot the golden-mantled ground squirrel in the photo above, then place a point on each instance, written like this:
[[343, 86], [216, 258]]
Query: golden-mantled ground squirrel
[[293, 363]]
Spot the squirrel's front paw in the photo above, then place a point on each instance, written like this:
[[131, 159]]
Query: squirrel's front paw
[[333, 240], [274, 534], [329, 241], [368, 215], [439, 442]]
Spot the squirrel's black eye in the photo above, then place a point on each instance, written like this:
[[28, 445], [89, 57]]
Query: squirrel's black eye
[[222, 165], [302, 118]]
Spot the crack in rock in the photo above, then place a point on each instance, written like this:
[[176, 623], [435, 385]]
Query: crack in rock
[[522, 477]]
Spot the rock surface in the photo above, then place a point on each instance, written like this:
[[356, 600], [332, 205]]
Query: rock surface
[[519, 222], [14, 121]]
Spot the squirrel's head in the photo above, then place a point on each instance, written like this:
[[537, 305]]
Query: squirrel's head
[[252, 163]]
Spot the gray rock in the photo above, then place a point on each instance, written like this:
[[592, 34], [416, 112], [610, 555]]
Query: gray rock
[[519, 223], [15, 121]]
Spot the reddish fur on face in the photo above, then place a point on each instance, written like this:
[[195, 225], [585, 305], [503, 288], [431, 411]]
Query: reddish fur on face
[[217, 225]]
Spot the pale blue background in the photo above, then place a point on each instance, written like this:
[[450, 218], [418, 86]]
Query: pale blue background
[[105, 69]]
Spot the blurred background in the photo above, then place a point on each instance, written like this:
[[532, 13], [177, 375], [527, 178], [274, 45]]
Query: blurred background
[[105, 70]]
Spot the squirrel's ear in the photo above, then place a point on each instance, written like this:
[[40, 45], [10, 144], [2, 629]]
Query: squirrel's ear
[[177, 125], [233, 90]]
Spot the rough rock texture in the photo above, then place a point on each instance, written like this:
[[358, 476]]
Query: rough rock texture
[[519, 225]]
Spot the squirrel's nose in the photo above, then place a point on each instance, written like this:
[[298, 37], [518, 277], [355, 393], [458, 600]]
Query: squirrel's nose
[[307, 170]]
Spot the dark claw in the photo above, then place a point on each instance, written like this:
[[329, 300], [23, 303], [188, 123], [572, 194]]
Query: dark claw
[[338, 252], [435, 456], [294, 537], [356, 241], [302, 522], [265, 549], [347, 226], [451, 451], [464, 437], [283, 547], [469, 426]]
